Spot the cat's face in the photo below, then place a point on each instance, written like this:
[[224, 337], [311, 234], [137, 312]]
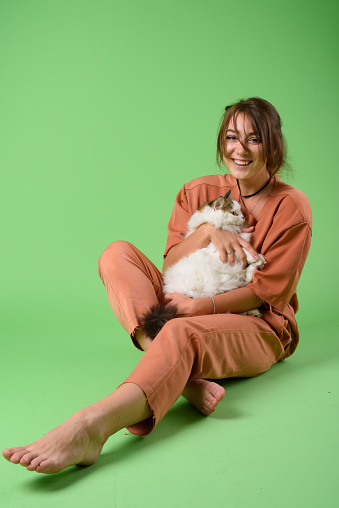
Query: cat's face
[[226, 205]]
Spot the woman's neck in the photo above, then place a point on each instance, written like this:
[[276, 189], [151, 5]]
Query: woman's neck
[[248, 188]]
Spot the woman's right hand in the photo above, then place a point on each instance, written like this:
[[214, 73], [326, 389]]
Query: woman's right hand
[[228, 244]]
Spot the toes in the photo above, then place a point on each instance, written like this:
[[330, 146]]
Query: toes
[[35, 463], [16, 457], [209, 406], [217, 395], [205, 410], [211, 402], [27, 459], [7, 453], [220, 393], [43, 465], [47, 467], [204, 395]]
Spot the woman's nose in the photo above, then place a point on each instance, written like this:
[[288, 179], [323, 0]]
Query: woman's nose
[[241, 147]]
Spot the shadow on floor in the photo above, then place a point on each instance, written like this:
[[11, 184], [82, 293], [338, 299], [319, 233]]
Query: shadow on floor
[[178, 418], [310, 353]]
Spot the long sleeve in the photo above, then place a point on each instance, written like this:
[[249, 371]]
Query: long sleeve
[[177, 225], [189, 199], [276, 283], [282, 234]]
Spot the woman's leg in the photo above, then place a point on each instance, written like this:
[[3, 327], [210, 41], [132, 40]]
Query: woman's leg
[[204, 347], [133, 284], [216, 346], [186, 349], [202, 394], [79, 440]]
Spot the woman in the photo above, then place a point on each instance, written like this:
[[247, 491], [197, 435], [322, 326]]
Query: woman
[[211, 340]]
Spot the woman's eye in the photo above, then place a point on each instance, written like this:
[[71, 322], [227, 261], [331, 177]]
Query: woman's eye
[[231, 137], [254, 140]]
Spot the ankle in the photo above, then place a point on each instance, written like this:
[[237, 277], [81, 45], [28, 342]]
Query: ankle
[[95, 423], [142, 339]]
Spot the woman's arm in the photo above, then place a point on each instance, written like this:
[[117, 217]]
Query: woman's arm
[[224, 241], [234, 302]]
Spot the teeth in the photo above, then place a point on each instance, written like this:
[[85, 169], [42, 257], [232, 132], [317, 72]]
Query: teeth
[[241, 163]]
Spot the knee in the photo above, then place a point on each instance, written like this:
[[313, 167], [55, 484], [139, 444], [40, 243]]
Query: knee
[[115, 251], [178, 330], [178, 339]]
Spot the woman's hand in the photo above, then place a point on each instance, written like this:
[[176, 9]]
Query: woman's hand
[[225, 242], [189, 306], [228, 244]]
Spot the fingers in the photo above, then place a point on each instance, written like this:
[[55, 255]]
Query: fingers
[[223, 253], [247, 230], [249, 248], [169, 297], [228, 254], [233, 251], [241, 255], [231, 246], [237, 252]]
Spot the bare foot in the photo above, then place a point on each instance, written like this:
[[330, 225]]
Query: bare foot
[[79, 440], [204, 395]]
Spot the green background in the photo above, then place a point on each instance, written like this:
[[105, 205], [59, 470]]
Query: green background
[[107, 108]]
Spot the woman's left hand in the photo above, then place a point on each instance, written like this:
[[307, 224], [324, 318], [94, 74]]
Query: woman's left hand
[[184, 304]]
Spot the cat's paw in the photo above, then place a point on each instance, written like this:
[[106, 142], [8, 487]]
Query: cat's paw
[[258, 262], [252, 312]]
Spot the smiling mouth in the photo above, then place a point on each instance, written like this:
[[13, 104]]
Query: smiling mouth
[[240, 162]]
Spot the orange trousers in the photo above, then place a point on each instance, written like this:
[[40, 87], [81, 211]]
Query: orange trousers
[[215, 346]]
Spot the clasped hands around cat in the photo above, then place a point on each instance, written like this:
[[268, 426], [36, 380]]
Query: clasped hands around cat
[[230, 244]]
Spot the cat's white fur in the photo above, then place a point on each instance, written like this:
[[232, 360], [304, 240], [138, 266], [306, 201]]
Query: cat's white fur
[[202, 273]]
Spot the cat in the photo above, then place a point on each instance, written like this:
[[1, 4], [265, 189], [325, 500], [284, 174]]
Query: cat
[[202, 273]]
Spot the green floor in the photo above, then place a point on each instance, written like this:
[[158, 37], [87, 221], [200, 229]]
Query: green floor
[[271, 443], [107, 109]]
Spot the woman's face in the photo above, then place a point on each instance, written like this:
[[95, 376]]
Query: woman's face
[[243, 151]]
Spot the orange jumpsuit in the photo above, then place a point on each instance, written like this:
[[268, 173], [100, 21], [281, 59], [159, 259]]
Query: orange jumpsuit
[[214, 346]]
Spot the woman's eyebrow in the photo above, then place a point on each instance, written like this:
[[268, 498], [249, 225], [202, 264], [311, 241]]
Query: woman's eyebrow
[[249, 134]]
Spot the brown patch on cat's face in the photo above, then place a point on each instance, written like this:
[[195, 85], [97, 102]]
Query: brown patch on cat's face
[[208, 203], [220, 203], [223, 204]]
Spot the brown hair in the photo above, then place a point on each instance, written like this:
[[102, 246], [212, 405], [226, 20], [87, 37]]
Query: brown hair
[[266, 123]]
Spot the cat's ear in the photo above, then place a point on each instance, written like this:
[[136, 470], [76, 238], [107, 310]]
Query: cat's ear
[[227, 194], [218, 203]]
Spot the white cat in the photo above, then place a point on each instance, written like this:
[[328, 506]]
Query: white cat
[[202, 273]]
